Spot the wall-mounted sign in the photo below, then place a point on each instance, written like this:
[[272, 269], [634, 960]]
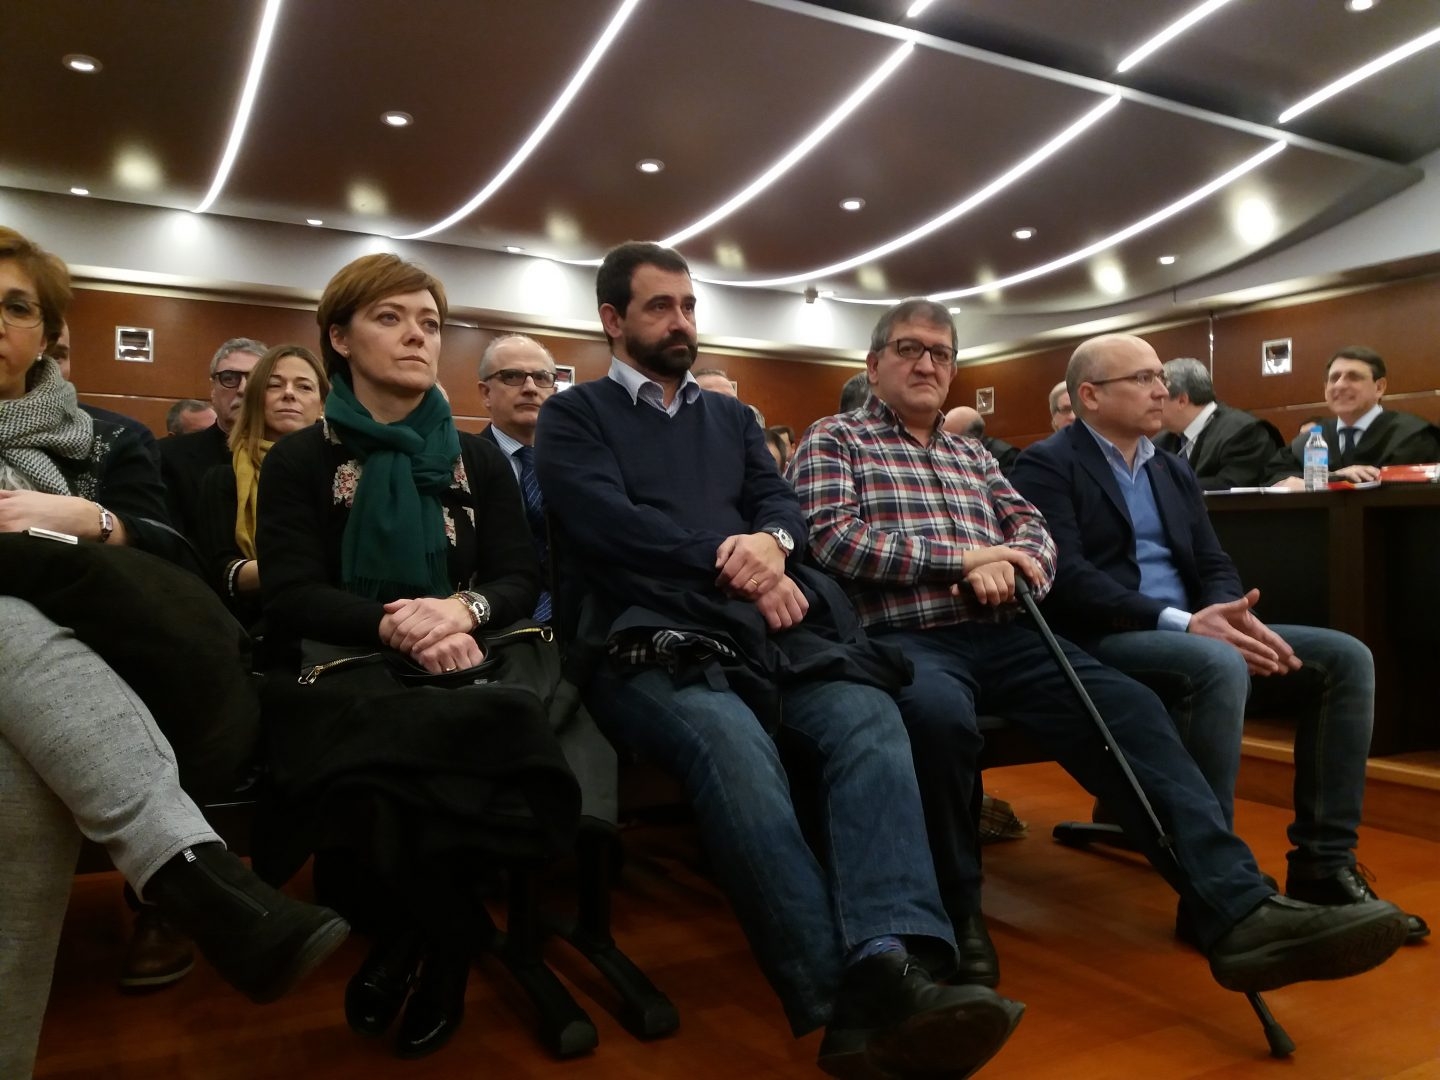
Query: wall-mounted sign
[[135, 344], [985, 400], [1275, 357]]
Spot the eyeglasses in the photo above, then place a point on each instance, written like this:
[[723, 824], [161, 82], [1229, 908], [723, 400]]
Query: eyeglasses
[[510, 377], [1143, 379], [230, 378], [911, 349], [21, 313]]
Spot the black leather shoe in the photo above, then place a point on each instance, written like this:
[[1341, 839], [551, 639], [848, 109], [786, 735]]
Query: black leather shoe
[[261, 941], [979, 963], [375, 993], [891, 1020], [1349, 886], [1185, 930], [1284, 941], [435, 1009]]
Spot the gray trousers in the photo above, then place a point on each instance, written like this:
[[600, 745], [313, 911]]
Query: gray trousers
[[79, 754]]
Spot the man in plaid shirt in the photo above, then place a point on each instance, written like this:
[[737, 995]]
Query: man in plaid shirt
[[927, 536]]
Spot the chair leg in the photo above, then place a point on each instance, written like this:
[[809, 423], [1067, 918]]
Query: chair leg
[[564, 1028]]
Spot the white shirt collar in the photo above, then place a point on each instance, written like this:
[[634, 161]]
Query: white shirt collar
[[506, 442], [1193, 429], [1362, 424]]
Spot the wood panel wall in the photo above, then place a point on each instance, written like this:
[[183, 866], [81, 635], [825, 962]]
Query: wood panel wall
[[188, 330], [1399, 320]]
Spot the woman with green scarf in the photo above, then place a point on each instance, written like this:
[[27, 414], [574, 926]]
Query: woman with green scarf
[[384, 526], [285, 393]]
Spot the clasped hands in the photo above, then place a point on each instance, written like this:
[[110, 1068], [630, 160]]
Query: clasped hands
[[751, 566], [1265, 652], [435, 633]]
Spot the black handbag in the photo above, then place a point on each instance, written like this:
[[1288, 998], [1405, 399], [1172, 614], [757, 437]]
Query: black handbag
[[523, 652]]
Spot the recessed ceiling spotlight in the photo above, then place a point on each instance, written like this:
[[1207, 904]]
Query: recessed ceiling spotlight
[[827, 294], [1166, 260], [1359, 5], [1023, 234], [396, 118], [650, 165], [79, 191], [314, 221], [86, 65], [852, 204], [514, 250], [954, 311]]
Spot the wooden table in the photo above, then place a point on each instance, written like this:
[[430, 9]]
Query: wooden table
[[1365, 562]]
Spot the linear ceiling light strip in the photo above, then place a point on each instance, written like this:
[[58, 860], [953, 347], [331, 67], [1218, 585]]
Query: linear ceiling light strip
[[801, 149], [1174, 30], [1360, 74], [1135, 229], [247, 102], [577, 81], [970, 202]]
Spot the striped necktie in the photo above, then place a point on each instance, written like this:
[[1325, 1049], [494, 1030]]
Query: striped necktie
[[535, 512]]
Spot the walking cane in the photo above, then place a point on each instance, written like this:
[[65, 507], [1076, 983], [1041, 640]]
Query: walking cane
[[1281, 1045]]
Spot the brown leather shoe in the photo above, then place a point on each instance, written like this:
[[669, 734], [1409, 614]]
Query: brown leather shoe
[[159, 954]]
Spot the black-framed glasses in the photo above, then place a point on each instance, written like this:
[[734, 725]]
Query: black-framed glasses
[[511, 377], [230, 378], [1143, 379], [912, 350], [21, 313]]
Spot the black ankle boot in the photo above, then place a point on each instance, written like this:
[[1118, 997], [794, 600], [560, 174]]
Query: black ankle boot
[[375, 993], [260, 940], [436, 1006]]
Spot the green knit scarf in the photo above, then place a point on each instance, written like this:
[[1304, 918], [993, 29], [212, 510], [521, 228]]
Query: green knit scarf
[[394, 543]]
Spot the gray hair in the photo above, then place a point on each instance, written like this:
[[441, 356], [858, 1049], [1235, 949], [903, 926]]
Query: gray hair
[[179, 409], [1055, 392], [237, 344], [1186, 375], [856, 392], [496, 344], [917, 308]]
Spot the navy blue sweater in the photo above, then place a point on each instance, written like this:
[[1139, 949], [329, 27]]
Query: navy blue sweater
[[632, 487]]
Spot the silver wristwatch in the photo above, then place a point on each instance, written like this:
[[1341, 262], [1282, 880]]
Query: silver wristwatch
[[783, 538], [477, 605]]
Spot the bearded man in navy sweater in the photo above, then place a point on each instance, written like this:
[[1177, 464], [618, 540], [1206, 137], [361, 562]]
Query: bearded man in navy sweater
[[715, 652]]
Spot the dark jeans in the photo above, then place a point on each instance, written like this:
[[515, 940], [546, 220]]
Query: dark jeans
[[801, 915], [1006, 669]]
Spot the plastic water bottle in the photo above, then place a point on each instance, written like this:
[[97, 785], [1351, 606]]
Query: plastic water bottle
[[1317, 462]]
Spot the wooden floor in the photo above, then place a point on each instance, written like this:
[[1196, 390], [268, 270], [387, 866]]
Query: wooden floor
[[1084, 938]]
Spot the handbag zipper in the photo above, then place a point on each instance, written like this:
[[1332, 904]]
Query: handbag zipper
[[308, 676], [547, 635]]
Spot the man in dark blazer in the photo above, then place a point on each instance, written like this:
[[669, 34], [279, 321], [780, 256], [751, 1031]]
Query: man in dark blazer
[[517, 376], [1145, 586], [1362, 435], [185, 459], [1225, 447]]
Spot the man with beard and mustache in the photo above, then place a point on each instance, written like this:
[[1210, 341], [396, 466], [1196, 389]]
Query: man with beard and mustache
[[710, 646]]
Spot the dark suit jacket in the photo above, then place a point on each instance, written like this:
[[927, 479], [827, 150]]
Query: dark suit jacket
[[1097, 580], [184, 461], [1233, 450], [1002, 452], [1395, 438]]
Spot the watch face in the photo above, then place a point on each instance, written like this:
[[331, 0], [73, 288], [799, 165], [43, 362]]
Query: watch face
[[784, 540]]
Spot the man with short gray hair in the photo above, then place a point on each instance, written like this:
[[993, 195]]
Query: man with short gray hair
[[189, 415], [1061, 413], [1227, 448], [185, 459]]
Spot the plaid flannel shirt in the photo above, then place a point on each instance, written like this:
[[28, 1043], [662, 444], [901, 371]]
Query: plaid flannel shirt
[[891, 519]]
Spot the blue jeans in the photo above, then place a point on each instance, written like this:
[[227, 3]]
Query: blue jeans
[[1007, 669], [801, 917], [1205, 685]]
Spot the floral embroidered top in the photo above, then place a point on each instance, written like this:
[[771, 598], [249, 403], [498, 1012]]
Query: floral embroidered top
[[307, 487]]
